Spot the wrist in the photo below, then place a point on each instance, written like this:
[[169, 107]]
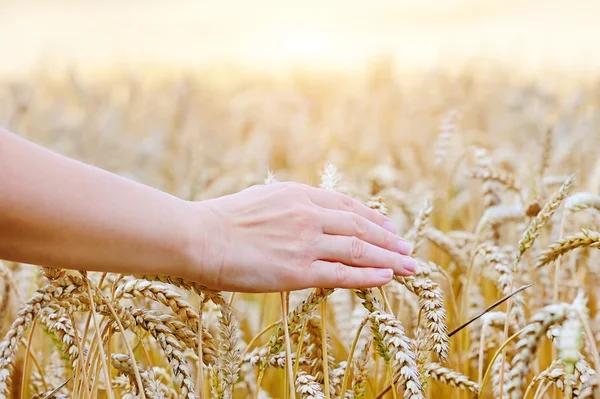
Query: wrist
[[201, 248]]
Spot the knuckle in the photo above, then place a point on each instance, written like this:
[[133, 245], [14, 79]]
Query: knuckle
[[303, 214], [294, 213], [341, 274], [289, 188], [312, 238], [389, 242], [347, 203], [357, 249], [360, 225], [308, 242], [296, 192]]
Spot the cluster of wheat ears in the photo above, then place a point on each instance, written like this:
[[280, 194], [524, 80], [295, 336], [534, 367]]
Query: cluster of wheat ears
[[494, 181]]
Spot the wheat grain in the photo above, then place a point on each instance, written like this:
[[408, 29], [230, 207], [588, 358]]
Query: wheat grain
[[536, 225], [5, 281], [528, 344], [417, 232], [448, 128], [307, 387], [581, 201], [496, 215], [29, 311], [451, 377], [586, 238], [431, 301], [444, 242], [361, 370], [488, 188], [396, 349], [229, 354], [489, 174]]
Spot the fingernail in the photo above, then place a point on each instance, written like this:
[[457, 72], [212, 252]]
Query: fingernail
[[389, 226], [404, 247], [409, 264], [385, 273]]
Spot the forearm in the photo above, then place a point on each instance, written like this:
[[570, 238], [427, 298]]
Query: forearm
[[58, 212]]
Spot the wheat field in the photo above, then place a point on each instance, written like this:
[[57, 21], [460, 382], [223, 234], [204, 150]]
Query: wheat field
[[492, 176]]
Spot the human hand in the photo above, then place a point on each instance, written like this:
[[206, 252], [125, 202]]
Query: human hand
[[287, 236]]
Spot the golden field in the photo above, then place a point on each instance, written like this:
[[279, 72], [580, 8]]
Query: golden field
[[493, 176]]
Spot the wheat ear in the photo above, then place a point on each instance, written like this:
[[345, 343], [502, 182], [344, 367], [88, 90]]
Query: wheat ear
[[585, 238], [450, 377]]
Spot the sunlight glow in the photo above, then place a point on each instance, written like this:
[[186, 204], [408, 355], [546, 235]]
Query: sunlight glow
[[306, 45], [269, 34]]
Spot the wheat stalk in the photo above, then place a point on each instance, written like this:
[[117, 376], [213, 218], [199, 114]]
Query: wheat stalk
[[29, 311], [360, 372]]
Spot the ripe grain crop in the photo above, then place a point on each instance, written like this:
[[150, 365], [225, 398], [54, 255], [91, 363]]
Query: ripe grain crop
[[492, 176]]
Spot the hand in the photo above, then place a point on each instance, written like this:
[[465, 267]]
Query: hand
[[286, 236]]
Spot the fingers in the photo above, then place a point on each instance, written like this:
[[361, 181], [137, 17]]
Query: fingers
[[353, 251], [343, 223], [341, 202], [338, 275]]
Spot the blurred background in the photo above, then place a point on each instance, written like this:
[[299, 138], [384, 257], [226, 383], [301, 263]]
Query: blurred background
[[271, 35], [202, 97]]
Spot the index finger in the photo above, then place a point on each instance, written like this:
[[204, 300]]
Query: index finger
[[337, 201]]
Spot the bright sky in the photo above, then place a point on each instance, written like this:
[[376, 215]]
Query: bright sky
[[271, 33]]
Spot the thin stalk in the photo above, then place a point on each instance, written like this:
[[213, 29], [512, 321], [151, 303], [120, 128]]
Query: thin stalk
[[200, 370], [506, 321], [300, 345], [557, 269], [480, 359], [323, 306], [530, 387], [100, 346], [394, 395], [288, 348], [259, 379], [58, 388], [351, 355], [257, 337], [591, 341], [28, 354], [129, 350], [388, 307], [542, 389], [557, 264], [80, 364], [122, 330], [37, 366], [464, 342], [376, 373], [392, 382], [451, 291], [486, 377]]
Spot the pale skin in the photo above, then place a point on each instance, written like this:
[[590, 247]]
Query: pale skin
[[58, 212]]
